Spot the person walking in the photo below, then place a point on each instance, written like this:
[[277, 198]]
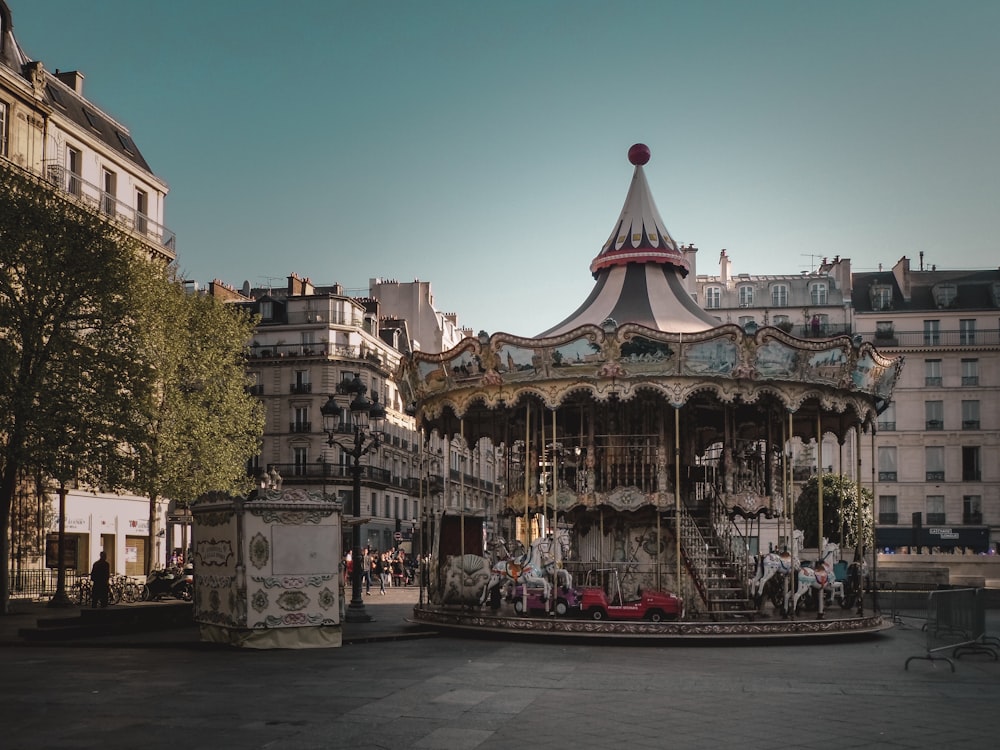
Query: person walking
[[380, 573], [100, 576], [366, 570]]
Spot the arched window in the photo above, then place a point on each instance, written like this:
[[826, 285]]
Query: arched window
[[779, 295]]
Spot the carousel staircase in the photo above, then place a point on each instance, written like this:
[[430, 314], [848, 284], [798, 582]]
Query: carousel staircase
[[713, 570]]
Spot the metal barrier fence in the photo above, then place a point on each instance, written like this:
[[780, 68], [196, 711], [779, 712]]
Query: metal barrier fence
[[956, 622], [36, 584]]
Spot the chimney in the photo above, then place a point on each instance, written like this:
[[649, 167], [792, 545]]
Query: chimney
[[73, 79], [901, 271], [725, 267]]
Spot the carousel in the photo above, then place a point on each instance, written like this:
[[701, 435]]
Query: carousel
[[645, 453]]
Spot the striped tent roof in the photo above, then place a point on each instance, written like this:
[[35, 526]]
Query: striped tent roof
[[639, 271]]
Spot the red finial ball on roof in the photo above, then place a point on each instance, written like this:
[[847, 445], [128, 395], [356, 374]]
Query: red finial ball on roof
[[639, 154]]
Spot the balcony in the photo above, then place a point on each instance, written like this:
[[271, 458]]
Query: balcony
[[970, 380], [887, 476], [890, 519], [887, 426], [934, 424], [300, 426], [256, 390], [126, 217], [318, 473], [934, 476], [972, 519], [932, 381], [972, 475], [970, 424], [918, 339], [938, 518], [301, 388]]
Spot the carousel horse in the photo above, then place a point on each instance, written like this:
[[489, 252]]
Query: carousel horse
[[820, 578], [769, 565], [561, 576], [527, 569]]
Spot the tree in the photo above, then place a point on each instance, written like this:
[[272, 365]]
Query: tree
[[68, 363], [840, 511], [199, 425]]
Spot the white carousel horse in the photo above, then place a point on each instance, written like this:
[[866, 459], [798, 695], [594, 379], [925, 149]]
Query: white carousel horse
[[769, 565], [821, 578], [561, 576], [527, 569]]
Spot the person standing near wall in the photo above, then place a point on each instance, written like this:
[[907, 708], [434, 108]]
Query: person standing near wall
[[100, 576]]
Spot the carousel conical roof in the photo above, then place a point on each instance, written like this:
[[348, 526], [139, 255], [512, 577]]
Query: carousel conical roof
[[639, 271]]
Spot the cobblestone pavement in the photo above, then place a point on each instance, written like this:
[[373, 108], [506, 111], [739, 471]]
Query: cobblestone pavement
[[464, 693]]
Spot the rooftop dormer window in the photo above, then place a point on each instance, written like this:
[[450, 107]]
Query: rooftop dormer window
[[746, 296], [779, 295], [881, 297], [713, 297], [817, 293], [945, 295]]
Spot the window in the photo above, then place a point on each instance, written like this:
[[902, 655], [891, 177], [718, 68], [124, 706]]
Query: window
[[267, 310], [944, 294], [109, 184], [746, 295], [713, 297], [934, 415], [887, 463], [972, 470], [817, 293], [932, 332], [887, 512], [881, 297], [3, 128], [300, 419], [932, 372], [747, 323], [970, 415], [934, 463], [887, 419], [967, 332], [74, 163], [301, 384], [300, 455], [935, 509], [782, 321], [141, 210], [972, 509], [884, 329], [970, 372], [779, 295]]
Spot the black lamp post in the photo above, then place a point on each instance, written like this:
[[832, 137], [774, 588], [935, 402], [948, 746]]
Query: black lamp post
[[60, 599], [366, 423]]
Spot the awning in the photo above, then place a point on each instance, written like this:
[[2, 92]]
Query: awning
[[976, 538]]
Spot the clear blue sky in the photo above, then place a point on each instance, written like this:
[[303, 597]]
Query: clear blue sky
[[482, 146]]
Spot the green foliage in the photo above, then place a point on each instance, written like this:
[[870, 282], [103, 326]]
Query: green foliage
[[109, 373], [200, 425], [840, 511]]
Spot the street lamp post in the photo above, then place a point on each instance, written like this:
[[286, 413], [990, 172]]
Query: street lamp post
[[60, 598], [366, 421]]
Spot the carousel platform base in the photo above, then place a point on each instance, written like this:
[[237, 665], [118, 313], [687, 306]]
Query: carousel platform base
[[748, 631]]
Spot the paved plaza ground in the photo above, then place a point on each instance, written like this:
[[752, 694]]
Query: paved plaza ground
[[454, 693]]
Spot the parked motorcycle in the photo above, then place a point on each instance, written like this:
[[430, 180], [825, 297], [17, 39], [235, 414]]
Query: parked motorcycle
[[170, 582]]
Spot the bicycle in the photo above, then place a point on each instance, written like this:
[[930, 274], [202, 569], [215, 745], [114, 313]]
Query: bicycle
[[84, 591]]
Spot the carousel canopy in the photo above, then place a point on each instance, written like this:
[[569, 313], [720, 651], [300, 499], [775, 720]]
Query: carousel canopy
[[639, 271]]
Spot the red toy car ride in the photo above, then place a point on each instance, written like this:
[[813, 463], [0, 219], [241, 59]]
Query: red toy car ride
[[655, 606]]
